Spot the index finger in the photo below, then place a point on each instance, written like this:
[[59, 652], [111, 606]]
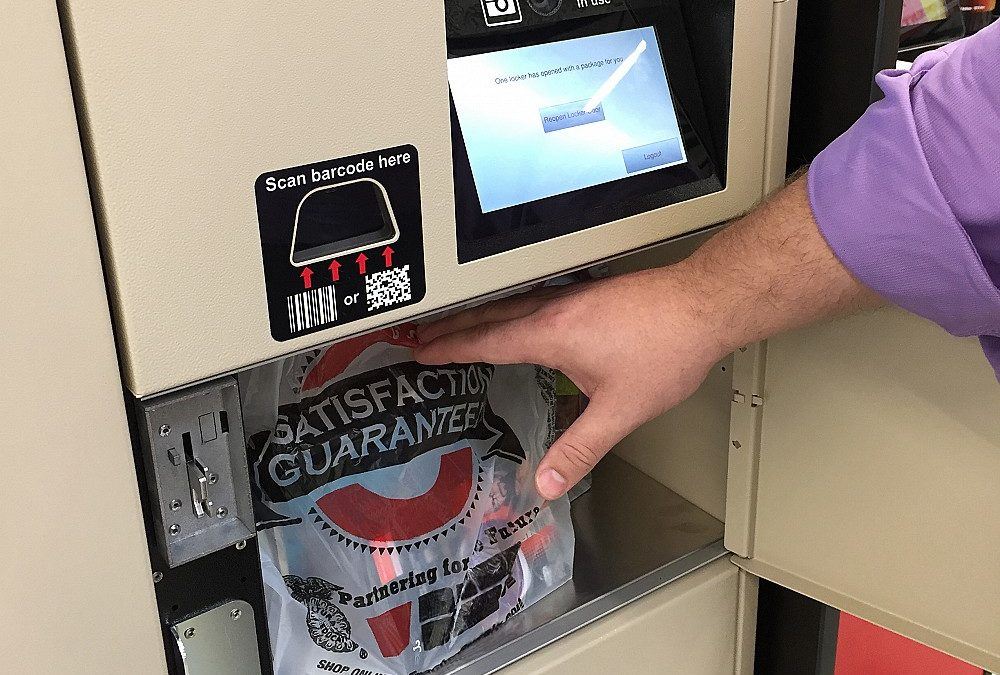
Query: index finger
[[514, 307], [491, 312], [504, 342]]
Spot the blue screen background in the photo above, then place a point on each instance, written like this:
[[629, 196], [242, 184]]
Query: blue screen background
[[515, 161]]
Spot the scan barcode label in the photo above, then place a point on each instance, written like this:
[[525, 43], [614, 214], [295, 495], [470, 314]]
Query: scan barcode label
[[352, 222], [312, 308]]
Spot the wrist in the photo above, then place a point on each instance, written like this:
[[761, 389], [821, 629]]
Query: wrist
[[698, 304]]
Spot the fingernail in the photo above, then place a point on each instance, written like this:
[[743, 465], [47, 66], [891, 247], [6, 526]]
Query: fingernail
[[551, 484]]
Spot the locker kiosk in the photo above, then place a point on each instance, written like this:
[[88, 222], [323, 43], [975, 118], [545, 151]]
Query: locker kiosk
[[210, 188]]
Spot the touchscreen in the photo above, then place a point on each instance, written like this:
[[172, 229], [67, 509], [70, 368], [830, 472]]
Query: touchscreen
[[549, 119]]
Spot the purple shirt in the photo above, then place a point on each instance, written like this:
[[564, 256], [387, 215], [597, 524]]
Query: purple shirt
[[909, 197]]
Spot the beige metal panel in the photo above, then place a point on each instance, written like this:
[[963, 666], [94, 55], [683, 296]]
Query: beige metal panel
[[685, 448], [780, 94], [746, 624], [879, 476], [185, 105], [687, 627], [748, 364], [75, 588], [689, 449]]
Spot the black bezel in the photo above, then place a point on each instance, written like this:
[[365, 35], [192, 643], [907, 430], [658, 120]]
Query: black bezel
[[481, 235]]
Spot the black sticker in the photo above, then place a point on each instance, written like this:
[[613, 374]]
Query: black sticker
[[340, 240]]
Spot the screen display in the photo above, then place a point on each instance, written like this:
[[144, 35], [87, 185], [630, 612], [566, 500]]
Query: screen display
[[919, 12], [548, 119]]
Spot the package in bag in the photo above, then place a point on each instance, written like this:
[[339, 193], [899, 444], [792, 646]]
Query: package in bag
[[397, 515]]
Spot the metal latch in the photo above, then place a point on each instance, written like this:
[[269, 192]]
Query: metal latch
[[198, 481], [196, 469]]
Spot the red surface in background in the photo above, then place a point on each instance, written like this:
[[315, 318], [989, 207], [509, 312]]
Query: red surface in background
[[866, 649]]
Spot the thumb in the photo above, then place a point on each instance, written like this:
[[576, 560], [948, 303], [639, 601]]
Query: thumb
[[580, 448]]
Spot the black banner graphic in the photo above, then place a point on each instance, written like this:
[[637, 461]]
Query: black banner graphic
[[377, 419]]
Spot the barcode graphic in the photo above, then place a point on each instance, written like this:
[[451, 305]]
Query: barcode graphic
[[388, 287], [311, 308]]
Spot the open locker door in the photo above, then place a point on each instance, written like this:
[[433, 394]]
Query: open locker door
[[865, 473]]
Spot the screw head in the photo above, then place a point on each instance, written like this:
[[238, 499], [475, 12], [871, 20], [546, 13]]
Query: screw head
[[175, 504], [157, 577], [240, 545], [222, 512], [189, 633], [212, 479], [236, 614], [175, 528], [165, 430]]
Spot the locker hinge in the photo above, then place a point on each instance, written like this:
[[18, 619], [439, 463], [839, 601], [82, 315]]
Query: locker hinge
[[744, 448], [755, 400]]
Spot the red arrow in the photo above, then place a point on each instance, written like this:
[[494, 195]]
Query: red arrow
[[307, 277], [362, 261], [387, 254], [335, 270]]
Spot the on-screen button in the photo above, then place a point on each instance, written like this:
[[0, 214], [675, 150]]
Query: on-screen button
[[652, 155]]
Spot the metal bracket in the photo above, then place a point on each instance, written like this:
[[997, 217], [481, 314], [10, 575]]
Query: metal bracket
[[196, 470], [221, 641]]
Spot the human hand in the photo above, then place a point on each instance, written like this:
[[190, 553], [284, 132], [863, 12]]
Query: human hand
[[636, 345], [639, 344]]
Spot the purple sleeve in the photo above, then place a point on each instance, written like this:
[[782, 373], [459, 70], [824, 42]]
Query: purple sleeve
[[909, 197]]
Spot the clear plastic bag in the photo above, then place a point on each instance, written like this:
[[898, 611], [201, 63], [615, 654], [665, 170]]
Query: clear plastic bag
[[397, 515]]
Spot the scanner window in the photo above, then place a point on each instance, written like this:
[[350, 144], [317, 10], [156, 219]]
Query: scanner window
[[340, 219]]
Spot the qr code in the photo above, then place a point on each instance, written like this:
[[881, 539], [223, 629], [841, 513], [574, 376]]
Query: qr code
[[389, 287]]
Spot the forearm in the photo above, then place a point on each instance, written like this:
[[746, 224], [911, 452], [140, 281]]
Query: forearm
[[770, 271], [641, 343]]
